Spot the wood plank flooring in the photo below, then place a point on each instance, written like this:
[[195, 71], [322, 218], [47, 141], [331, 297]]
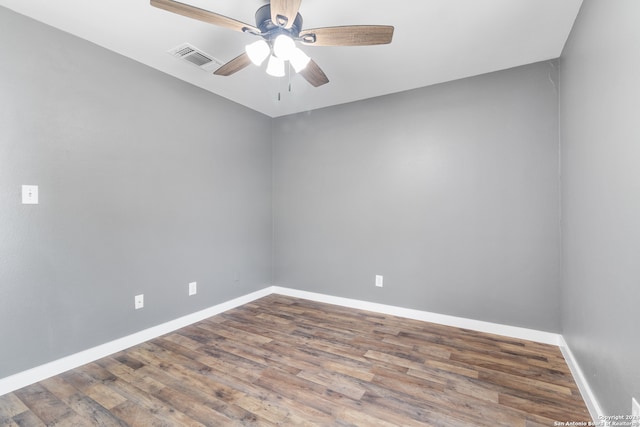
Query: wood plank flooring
[[288, 361]]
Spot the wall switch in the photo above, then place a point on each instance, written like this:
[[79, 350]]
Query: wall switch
[[193, 288], [635, 412], [29, 194], [139, 301], [378, 281]]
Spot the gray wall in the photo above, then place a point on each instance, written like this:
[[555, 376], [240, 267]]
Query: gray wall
[[146, 183], [600, 139], [451, 192]]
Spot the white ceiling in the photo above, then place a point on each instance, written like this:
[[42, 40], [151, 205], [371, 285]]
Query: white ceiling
[[434, 41]]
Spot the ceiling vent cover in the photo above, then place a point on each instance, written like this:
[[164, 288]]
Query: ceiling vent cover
[[195, 56]]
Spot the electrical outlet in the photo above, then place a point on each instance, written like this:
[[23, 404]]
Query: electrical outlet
[[635, 412], [193, 288], [29, 194], [378, 280], [139, 301]]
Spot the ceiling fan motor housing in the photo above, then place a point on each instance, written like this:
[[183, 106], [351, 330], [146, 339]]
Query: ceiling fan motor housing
[[271, 30]]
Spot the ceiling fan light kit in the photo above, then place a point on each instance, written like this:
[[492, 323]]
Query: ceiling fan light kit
[[280, 26], [258, 51], [275, 67], [283, 47], [299, 60]]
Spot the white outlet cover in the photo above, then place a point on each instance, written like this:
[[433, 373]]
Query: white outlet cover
[[379, 281], [193, 288], [139, 301], [29, 194]]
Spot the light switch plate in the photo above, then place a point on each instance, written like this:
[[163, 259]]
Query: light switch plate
[[193, 288], [29, 194]]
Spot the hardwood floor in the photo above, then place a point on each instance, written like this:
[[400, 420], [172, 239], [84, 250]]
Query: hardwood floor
[[287, 361]]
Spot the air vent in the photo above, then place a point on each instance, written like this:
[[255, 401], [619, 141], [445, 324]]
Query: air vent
[[195, 56]]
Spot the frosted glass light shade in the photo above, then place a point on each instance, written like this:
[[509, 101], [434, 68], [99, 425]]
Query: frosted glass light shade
[[258, 51], [299, 60], [283, 47], [275, 67]]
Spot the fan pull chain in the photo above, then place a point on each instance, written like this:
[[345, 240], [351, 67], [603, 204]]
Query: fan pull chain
[[289, 75]]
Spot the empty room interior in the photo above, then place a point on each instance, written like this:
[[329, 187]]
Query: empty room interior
[[436, 222]]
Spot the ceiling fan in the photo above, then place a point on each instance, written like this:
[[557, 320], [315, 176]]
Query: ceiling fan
[[280, 25]]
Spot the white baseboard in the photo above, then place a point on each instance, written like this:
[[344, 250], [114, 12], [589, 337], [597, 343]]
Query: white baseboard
[[585, 390], [442, 319], [42, 372], [39, 373]]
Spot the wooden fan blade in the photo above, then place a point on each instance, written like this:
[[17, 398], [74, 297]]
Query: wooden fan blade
[[203, 15], [314, 74], [351, 35], [233, 66], [284, 12]]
